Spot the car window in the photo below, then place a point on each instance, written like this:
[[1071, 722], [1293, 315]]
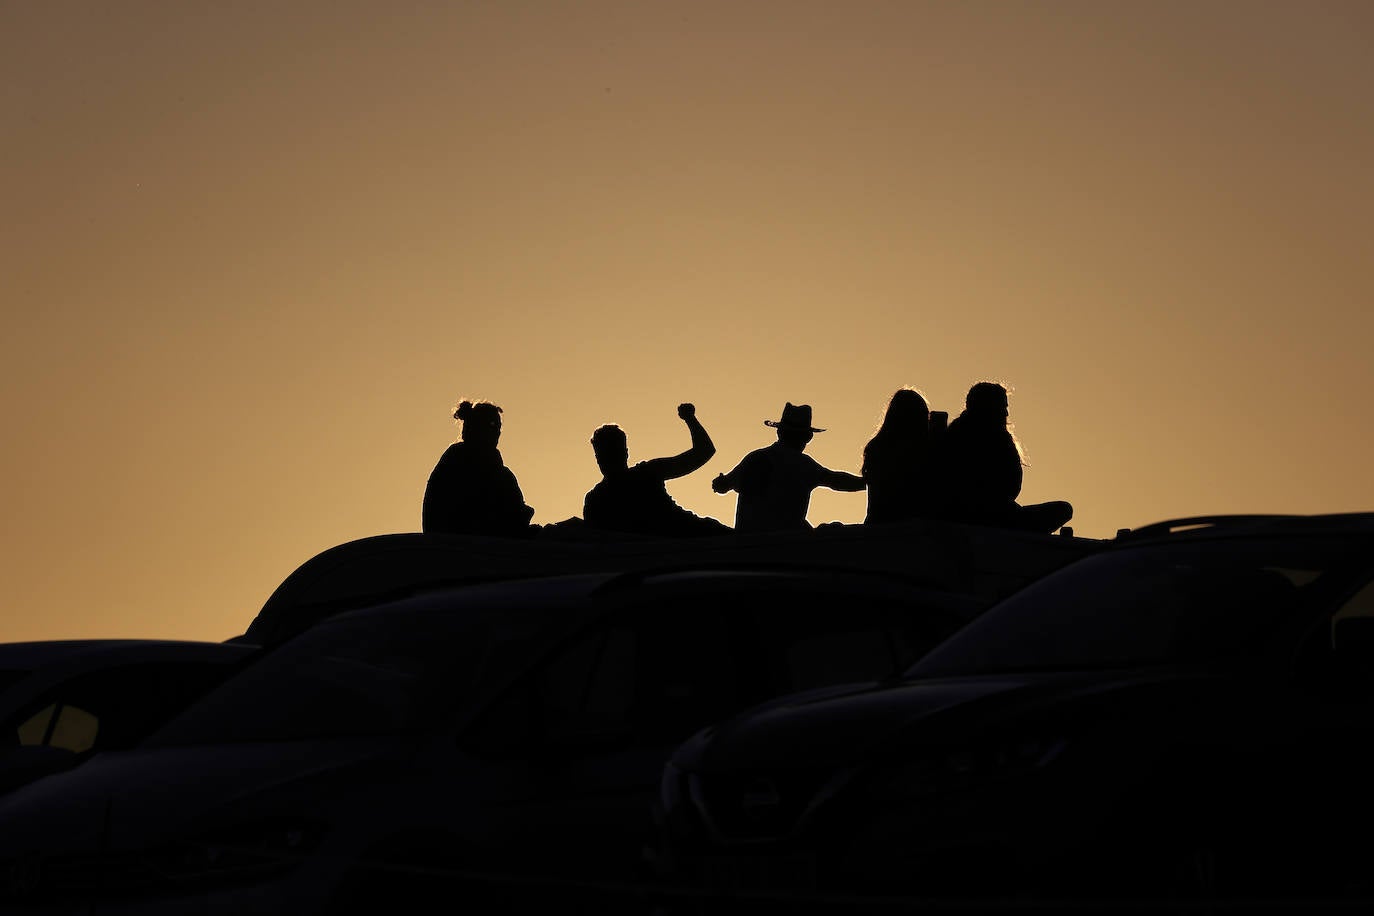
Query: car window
[[588, 690], [820, 639], [1167, 604], [60, 725], [368, 674], [639, 677], [807, 645], [838, 658], [1360, 604], [115, 706]]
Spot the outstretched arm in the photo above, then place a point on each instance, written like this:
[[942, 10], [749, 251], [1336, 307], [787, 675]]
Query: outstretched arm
[[841, 480], [701, 451]]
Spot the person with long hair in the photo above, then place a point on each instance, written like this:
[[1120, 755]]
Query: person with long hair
[[984, 463], [897, 461], [470, 490]]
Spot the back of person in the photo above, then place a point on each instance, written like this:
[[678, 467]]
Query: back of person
[[898, 468], [776, 489], [775, 483], [470, 490], [635, 498], [637, 501], [981, 467]]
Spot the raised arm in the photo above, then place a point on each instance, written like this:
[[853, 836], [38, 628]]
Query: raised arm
[[701, 451]]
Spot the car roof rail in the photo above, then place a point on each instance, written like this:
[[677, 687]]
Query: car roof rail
[[1198, 523]]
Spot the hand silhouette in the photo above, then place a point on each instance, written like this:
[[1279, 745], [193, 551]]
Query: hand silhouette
[[686, 411], [719, 484]]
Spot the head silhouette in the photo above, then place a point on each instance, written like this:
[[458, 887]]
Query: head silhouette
[[794, 428], [611, 449], [987, 402], [905, 424], [907, 417], [481, 423]]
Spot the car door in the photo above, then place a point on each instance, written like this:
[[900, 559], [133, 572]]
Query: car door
[[822, 637], [1292, 794], [108, 708], [592, 725]]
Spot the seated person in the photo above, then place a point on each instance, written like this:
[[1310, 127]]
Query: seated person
[[774, 483], [982, 467], [635, 499], [897, 462], [470, 490]]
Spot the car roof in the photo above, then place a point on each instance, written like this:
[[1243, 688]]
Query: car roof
[[1228, 526], [29, 656], [593, 592], [975, 560], [27, 669]]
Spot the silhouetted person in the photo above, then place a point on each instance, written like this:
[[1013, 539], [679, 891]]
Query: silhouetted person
[[898, 468], [775, 482], [635, 499], [470, 490], [982, 465]]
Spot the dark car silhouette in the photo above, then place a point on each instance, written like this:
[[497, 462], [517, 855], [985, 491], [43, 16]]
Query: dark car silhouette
[[63, 701], [1189, 712], [466, 735]]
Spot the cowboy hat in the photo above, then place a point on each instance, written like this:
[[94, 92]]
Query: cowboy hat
[[794, 416]]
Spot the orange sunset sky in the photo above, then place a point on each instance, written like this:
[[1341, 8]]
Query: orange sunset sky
[[252, 253]]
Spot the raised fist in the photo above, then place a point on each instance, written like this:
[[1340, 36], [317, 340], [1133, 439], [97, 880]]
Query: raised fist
[[686, 411]]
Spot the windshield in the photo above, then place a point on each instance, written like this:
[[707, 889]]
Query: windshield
[[371, 674], [1155, 605]]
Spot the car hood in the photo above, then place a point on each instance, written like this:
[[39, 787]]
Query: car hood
[[170, 789], [832, 729]]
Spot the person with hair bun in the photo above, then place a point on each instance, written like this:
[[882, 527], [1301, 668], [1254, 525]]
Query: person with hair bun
[[470, 490]]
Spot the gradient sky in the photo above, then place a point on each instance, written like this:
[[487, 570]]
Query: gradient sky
[[252, 253]]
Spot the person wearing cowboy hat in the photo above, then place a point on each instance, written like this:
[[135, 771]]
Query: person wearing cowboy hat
[[774, 483]]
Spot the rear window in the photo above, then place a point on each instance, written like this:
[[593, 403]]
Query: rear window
[[1158, 605], [364, 675]]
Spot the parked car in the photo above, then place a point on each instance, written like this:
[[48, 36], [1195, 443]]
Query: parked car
[[479, 733], [989, 563], [63, 701], [1188, 712]]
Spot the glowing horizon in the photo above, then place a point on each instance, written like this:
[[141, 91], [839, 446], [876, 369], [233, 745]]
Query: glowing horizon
[[254, 254]]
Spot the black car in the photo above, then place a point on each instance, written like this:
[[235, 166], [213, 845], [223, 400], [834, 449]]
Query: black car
[[63, 701], [1189, 712], [465, 735]]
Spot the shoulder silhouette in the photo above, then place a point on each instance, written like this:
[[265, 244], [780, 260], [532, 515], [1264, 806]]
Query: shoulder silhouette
[[898, 462], [635, 498], [983, 468], [774, 483], [470, 490]]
